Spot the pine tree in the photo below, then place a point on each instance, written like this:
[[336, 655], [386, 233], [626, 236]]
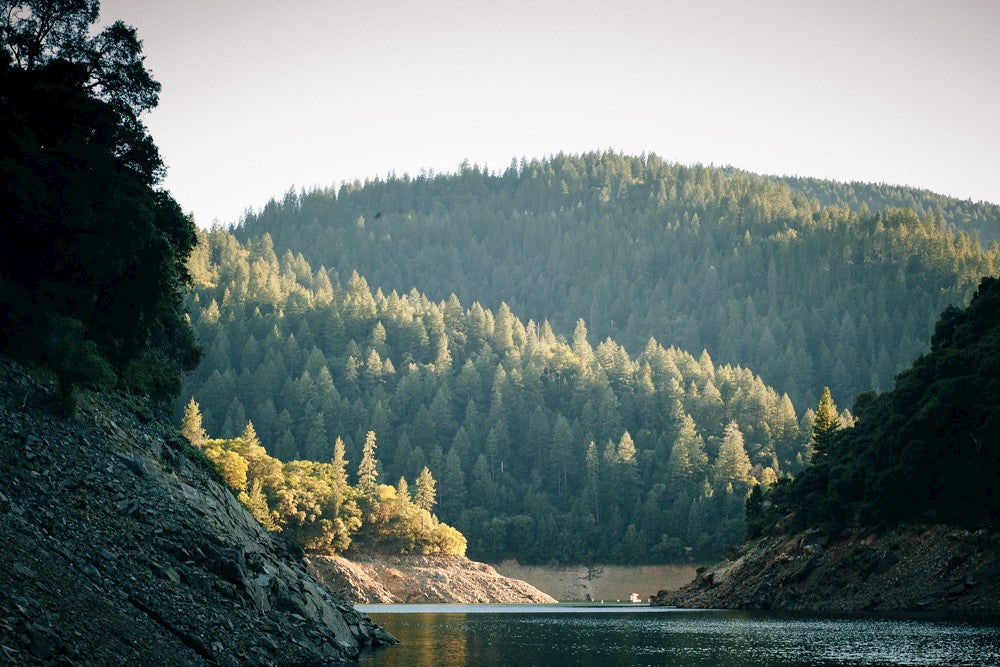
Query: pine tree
[[317, 442], [249, 436], [338, 474], [626, 449], [732, 466], [402, 493], [593, 479], [368, 467], [688, 460], [426, 495], [825, 424], [191, 427], [452, 483], [561, 452]]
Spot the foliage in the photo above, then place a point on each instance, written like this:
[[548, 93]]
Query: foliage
[[753, 269], [426, 495], [89, 244], [809, 291], [927, 449], [312, 505], [191, 424], [979, 220], [502, 410], [825, 424]]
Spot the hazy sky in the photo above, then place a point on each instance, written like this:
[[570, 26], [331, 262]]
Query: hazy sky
[[262, 95]]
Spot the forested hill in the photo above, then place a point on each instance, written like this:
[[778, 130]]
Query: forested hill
[[975, 218], [544, 448], [744, 266]]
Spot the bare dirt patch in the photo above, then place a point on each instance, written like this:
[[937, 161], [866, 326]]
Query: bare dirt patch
[[609, 583]]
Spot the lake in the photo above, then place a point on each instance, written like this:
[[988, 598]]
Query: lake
[[482, 635]]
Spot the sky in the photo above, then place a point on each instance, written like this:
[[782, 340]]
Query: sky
[[260, 96]]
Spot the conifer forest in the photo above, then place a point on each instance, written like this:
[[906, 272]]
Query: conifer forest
[[596, 357]]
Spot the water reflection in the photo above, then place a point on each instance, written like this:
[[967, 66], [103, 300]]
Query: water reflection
[[460, 635], [437, 639]]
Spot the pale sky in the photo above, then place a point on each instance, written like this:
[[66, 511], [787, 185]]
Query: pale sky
[[263, 95]]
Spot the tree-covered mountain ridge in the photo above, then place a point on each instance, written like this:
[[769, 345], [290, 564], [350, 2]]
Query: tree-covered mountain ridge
[[543, 447], [757, 270], [978, 219]]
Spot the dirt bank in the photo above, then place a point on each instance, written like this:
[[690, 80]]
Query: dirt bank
[[920, 567], [602, 582], [371, 578]]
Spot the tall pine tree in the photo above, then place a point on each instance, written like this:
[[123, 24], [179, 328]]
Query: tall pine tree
[[825, 424]]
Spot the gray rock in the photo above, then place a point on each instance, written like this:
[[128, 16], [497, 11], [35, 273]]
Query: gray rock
[[180, 570]]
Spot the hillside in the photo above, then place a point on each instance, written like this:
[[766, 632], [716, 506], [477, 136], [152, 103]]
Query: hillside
[[980, 219], [543, 448], [794, 279], [911, 568], [120, 548], [736, 299], [898, 512]]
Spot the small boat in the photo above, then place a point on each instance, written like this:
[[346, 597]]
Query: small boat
[[634, 598]]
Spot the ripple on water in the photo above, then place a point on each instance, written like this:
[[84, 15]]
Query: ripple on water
[[517, 635]]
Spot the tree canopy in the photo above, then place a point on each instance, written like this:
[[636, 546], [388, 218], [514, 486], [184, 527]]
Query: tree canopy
[[92, 252], [313, 506], [503, 412], [929, 449], [810, 284]]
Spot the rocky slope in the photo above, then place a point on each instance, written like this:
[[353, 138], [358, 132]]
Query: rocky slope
[[904, 569], [120, 548], [412, 578]]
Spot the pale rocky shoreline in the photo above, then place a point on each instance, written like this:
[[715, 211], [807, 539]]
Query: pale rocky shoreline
[[387, 578], [608, 583]]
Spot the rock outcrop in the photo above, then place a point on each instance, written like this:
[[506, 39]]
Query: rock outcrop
[[380, 578], [119, 547], [911, 568]]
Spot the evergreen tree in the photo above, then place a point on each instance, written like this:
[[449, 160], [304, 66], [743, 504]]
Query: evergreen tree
[[249, 435], [825, 424], [426, 495], [191, 427], [368, 467], [338, 472], [593, 480], [626, 449], [732, 466], [452, 493], [688, 460], [402, 493]]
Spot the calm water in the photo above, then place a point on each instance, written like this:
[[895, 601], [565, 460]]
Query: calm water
[[563, 635]]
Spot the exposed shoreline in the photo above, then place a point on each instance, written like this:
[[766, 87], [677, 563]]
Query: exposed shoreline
[[910, 568], [610, 583], [393, 578]]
